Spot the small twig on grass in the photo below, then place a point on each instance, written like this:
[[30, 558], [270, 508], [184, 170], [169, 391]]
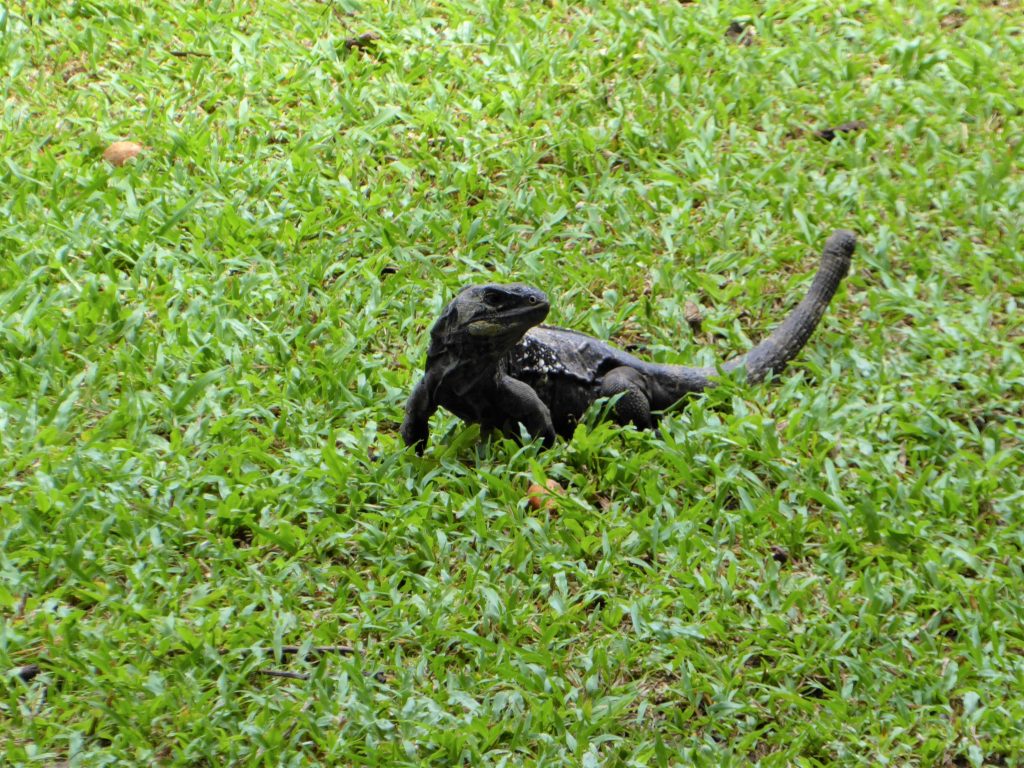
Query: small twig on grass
[[283, 673], [185, 53], [827, 134], [288, 650], [291, 650]]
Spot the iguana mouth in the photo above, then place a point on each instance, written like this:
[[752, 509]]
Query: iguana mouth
[[509, 322]]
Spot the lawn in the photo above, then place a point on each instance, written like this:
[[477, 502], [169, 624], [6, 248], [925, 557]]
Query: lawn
[[213, 545]]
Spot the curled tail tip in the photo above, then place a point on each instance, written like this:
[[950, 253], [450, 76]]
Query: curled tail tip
[[840, 244]]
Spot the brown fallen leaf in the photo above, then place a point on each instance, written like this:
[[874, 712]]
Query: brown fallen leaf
[[693, 316], [118, 153], [954, 19], [361, 42], [541, 495]]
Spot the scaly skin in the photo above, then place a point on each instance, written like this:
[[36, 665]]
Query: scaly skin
[[491, 362]]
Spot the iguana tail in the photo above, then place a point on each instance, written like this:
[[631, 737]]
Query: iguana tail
[[772, 354]]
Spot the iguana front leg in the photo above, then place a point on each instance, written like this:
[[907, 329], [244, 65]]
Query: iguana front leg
[[523, 406], [418, 410]]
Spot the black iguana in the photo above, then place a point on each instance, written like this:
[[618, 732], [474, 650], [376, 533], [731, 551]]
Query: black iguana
[[491, 362]]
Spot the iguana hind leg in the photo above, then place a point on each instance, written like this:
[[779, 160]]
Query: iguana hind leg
[[633, 407]]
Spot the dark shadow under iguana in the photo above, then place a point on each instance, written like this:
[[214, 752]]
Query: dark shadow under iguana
[[491, 362]]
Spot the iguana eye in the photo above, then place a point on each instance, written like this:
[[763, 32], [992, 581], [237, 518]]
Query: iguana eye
[[532, 299], [493, 297]]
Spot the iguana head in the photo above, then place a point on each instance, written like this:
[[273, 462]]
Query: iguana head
[[489, 318]]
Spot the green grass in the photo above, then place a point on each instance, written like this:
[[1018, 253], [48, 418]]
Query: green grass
[[204, 356]]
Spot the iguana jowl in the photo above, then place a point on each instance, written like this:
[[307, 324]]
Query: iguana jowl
[[491, 362]]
